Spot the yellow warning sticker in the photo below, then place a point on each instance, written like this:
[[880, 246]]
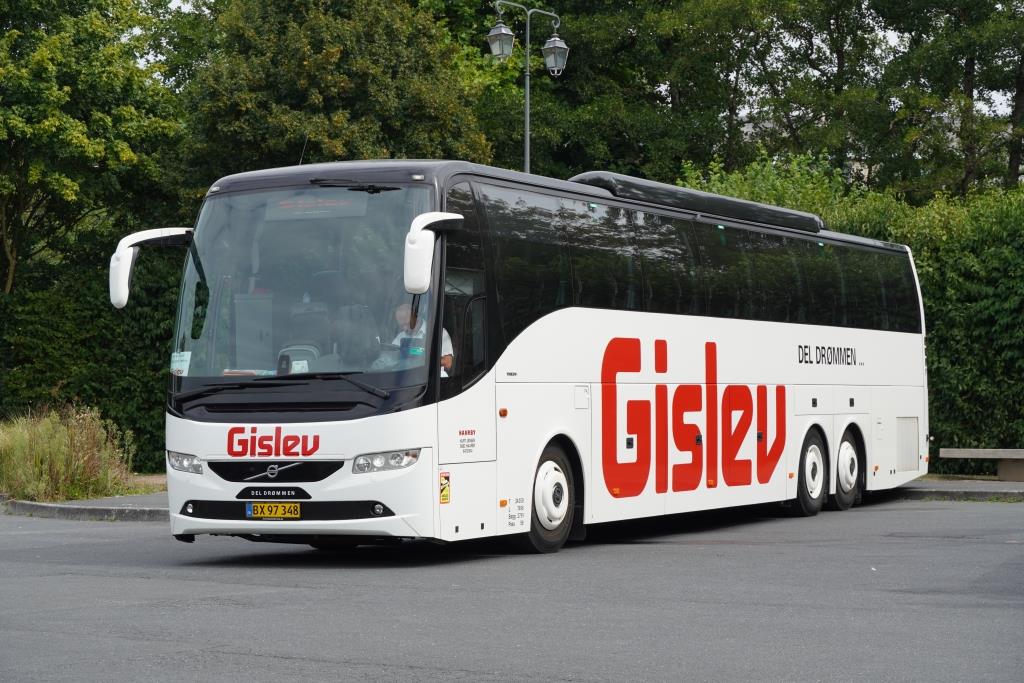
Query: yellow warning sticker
[[446, 488]]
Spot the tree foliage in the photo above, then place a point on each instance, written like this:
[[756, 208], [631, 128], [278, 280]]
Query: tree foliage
[[63, 343], [915, 96], [80, 121], [285, 82]]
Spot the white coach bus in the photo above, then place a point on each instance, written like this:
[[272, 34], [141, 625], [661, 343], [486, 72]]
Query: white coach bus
[[443, 350]]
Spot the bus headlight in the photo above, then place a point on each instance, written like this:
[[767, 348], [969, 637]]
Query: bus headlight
[[380, 462], [184, 462]]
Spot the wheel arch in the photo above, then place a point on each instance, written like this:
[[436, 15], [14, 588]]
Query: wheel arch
[[862, 451], [578, 482], [806, 503], [820, 430]]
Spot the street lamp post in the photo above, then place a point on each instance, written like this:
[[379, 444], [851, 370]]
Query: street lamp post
[[555, 53]]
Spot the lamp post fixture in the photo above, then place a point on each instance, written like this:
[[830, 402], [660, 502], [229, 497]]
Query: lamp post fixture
[[555, 51]]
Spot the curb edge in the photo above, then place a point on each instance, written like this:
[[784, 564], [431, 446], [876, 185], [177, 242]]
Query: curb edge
[[976, 496], [85, 513]]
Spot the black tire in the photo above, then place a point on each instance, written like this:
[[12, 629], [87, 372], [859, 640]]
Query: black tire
[[812, 477], [558, 479], [848, 474]]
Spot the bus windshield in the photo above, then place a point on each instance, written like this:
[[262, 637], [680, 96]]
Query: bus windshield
[[303, 280]]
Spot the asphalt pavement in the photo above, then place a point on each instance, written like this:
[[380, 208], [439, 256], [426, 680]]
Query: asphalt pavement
[[894, 590]]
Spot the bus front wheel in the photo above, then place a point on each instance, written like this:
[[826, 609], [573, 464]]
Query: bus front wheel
[[554, 501], [812, 486]]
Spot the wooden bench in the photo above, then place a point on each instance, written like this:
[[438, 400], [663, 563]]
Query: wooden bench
[[1011, 460]]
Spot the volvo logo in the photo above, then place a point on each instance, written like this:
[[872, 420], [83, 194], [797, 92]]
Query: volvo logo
[[272, 471]]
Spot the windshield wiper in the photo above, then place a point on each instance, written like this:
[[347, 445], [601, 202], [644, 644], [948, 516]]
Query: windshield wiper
[[351, 185], [347, 376], [210, 389], [372, 189], [333, 182]]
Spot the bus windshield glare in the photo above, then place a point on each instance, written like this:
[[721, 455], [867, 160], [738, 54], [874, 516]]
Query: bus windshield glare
[[303, 280]]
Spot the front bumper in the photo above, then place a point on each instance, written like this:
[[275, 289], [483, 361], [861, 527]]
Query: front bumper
[[394, 503], [396, 526]]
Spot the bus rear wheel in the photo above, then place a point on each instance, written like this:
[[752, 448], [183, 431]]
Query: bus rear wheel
[[554, 501], [847, 473], [812, 482]]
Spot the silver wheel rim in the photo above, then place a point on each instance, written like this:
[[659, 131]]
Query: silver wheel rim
[[814, 471], [847, 467], [550, 495]]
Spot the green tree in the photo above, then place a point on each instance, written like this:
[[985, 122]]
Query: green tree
[[63, 342], [648, 84], [941, 86], [1006, 76], [817, 69], [81, 121], [322, 81]]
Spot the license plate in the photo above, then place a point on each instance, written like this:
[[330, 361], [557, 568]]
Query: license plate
[[272, 511]]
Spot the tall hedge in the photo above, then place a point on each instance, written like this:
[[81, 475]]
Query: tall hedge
[[970, 260], [62, 342]]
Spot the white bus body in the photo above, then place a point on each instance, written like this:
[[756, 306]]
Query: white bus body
[[655, 413]]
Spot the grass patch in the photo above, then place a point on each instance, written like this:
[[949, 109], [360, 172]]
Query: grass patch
[[64, 454], [148, 483]]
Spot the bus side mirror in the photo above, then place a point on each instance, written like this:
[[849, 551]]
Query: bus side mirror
[[419, 247], [123, 260]]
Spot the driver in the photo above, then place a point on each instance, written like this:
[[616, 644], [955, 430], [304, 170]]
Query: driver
[[403, 316]]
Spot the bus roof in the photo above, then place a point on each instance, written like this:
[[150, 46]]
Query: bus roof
[[600, 184]]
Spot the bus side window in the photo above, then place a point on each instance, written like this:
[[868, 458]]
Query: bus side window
[[467, 325], [900, 293], [726, 264], [463, 294], [605, 265], [671, 282], [819, 265], [865, 302], [777, 292], [530, 256], [473, 347], [464, 251]]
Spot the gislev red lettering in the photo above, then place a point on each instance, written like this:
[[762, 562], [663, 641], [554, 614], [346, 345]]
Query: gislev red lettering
[[768, 458], [735, 399], [661, 438], [711, 384], [731, 418], [276, 444], [687, 476], [621, 355], [308, 449], [237, 447]]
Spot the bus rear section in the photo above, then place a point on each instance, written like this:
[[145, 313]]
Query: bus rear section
[[687, 360]]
